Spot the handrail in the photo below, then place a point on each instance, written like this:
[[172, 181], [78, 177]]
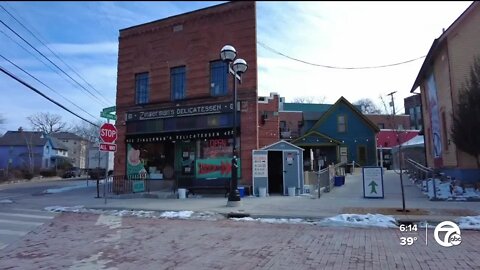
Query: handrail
[[419, 166]]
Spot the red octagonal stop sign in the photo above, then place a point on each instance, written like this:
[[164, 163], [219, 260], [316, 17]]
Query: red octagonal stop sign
[[108, 133]]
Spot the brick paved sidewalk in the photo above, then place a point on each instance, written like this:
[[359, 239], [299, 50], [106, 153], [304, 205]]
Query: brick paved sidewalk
[[89, 241]]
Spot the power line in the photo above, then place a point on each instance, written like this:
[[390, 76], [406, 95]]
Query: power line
[[58, 57], [26, 72], [43, 95], [18, 35], [335, 67]]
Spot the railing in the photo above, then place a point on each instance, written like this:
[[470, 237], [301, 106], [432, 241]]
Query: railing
[[325, 178], [419, 172]]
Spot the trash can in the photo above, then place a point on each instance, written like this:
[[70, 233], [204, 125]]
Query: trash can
[[291, 191], [339, 180], [182, 193], [241, 191], [262, 192]]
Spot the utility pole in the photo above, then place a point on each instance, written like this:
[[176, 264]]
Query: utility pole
[[400, 156]]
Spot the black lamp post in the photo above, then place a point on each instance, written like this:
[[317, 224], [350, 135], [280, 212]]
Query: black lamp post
[[236, 68]]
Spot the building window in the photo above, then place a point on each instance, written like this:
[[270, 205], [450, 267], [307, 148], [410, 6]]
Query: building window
[[381, 125], [141, 88], [177, 82], [218, 78], [341, 123]]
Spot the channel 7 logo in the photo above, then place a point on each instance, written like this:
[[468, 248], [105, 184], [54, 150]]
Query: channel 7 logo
[[452, 235]]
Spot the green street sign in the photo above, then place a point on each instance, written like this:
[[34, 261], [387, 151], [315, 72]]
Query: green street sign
[[108, 116], [109, 109]]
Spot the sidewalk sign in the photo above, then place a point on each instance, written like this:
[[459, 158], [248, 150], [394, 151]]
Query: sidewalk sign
[[373, 182]]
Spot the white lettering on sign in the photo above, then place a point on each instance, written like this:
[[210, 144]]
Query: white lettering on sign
[[260, 165]]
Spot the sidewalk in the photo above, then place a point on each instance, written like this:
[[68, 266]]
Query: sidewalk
[[338, 201]]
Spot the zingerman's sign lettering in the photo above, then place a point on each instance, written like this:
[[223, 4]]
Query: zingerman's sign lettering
[[181, 111]]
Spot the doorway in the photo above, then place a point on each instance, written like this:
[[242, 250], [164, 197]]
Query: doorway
[[275, 172]]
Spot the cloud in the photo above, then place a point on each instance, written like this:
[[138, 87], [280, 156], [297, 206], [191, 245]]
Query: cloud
[[87, 48]]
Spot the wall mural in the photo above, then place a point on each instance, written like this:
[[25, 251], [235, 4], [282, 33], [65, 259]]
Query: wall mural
[[215, 168]]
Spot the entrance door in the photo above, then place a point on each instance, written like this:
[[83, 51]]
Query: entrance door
[[290, 169], [362, 155], [275, 172]]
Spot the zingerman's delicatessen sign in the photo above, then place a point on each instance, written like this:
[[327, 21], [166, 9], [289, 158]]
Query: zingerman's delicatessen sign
[[181, 111]]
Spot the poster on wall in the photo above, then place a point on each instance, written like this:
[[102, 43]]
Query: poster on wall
[[372, 182], [134, 163], [434, 117], [260, 165], [215, 168]]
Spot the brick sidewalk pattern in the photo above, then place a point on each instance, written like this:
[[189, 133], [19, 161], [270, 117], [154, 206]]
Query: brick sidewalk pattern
[[89, 241]]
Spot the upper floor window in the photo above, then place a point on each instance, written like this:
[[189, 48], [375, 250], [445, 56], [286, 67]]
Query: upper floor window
[[218, 78], [381, 125], [141, 88], [177, 82], [341, 123]]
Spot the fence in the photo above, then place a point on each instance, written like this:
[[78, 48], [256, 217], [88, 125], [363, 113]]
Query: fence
[[124, 184]]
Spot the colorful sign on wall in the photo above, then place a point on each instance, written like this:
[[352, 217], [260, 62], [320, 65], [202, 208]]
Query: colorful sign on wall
[[434, 117], [134, 163], [215, 168]]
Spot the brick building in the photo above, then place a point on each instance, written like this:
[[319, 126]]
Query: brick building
[[174, 95], [444, 70], [387, 121]]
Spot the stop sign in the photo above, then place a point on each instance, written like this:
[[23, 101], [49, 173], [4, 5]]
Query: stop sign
[[108, 133]]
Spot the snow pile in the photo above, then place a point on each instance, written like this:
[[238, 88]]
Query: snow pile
[[179, 214], [443, 189], [355, 220], [6, 201], [274, 220], [74, 209], [469, 223], [63, 189]]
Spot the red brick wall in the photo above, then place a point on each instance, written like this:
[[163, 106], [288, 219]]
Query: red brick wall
[[268, 121], [292, 119], [155, 48], [387, 120]]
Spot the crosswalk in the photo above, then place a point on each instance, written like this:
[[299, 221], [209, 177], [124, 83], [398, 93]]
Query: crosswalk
[[17, 222]]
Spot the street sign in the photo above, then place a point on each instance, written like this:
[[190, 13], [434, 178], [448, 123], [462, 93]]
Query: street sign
[[109, 109], [107, 147], [108, 116], [108, 133], [373, 182]]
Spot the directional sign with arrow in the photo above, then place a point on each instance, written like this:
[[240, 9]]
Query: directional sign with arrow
[[373, 182]]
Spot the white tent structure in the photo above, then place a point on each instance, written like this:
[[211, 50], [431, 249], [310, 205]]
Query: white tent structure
[[413, 148]]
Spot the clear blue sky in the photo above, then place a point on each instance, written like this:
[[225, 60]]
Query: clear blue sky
[[85, 36]]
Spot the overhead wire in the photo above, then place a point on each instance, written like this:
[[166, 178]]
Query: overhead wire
[[55, 54], [43, 95], [335, 67], [35, 78], [48, 59]]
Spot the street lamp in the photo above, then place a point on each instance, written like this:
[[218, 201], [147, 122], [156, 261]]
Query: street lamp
[[236, 68]]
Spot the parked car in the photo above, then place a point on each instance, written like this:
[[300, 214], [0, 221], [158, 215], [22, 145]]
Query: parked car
[[73, 172]]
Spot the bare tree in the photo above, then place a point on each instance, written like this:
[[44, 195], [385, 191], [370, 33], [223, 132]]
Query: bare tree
[[367, 106], [47, 123], [309, 99], [88, 131]]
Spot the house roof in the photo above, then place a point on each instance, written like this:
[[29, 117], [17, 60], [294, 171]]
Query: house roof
[[66, 136], [56, 144], [437, 44], [321, 139], [352, 107], [281, 142], [20, 138], [388, 138]]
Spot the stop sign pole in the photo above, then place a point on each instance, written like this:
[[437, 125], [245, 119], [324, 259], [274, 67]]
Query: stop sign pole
[[108, 134]]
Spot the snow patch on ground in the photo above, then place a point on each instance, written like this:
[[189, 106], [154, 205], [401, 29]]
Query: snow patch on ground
[[355, 220], [6, 201], [469, 222], [449, 190], [274, 220], [64, 189], [179, 214]]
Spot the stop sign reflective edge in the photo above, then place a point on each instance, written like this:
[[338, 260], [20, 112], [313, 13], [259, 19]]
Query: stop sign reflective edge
[[108, 133]]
